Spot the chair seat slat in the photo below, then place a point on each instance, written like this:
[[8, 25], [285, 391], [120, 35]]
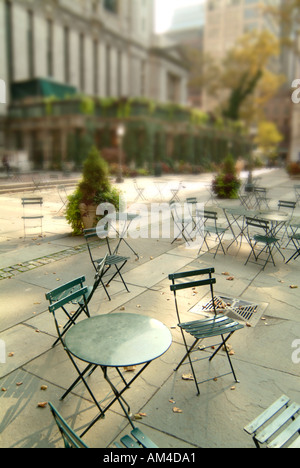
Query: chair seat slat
[[296, 443], [143, 439], [267, 414], [286, 435], [275, 425], [130, 443]]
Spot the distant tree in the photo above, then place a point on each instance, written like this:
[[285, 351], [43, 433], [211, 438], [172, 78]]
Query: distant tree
[[267, 139], [243, 82]]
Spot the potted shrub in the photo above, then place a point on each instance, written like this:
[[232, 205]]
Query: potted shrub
[[94, 188], [226, 184], [293, 170]]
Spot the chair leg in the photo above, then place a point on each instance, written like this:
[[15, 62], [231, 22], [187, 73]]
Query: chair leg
[[118, 272], [224, 341], [187, 355]]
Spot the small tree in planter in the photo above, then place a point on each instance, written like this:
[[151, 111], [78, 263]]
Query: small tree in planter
[[94, 188], [226, 184]]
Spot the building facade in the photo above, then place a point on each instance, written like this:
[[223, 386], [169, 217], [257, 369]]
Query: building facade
[[97, 48]]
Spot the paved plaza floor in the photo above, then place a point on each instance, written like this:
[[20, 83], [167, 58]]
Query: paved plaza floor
[[265, 356]]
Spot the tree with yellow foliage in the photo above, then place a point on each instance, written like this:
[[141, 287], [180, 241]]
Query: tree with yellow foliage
[[244, 81], [267, 139], [248, 76]]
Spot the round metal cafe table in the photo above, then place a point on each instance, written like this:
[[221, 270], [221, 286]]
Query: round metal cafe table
[[118, 340]]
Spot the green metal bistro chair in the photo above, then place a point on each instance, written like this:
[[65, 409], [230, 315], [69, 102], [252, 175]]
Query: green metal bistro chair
[[82, 306], [217, 325], [34, 215], [118, 261], [74, 296], [183, 222], [263, 236], [207, 222], [287, 205], [295, 238], [192, 204], [71, 440], [261, 199], [278, 426]]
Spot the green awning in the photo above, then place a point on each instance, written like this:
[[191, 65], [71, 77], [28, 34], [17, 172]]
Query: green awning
[[40, 87]]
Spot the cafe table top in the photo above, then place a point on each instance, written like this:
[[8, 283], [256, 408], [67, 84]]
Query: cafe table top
[[118, 339]]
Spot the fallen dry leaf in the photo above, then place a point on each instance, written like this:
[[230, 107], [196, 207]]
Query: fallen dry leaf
[[42, 404], [3, 389], [230, 278], [129, 368], [18, 384], [232, 388], [137, 416], [293, 286], [177, 410], [225, 273], [144, 415], [187, 377], [215, 379], [11, 354], [171, 401], [44, 387], [248, 325]]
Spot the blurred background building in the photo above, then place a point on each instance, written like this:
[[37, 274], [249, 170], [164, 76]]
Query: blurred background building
[[59, 58], [63, 48]]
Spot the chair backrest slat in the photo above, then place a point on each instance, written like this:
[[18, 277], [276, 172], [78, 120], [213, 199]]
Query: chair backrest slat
[[69, 298], [286, 204], [258, 223], [210, 215], [66, 288], [186, 274], [192, 284]]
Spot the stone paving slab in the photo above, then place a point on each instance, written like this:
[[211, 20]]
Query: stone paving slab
[[263, 353]]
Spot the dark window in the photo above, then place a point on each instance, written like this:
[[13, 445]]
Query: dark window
[[81, 63], [111, 5], [50, 47], [67, 54], [30, 43]]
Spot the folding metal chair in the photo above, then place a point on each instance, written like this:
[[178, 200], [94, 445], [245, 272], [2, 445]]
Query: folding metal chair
[[247, 197], [218, 325], [118, 261], [182, 221], [139, 190], [261, 197], [62, 193], [287, 205], [82, 306], [278, 426], [174, 191], [295, 238], [207, 222], [264, 237], [192, 204], [68, 297], [137, 439], [29, 202]]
